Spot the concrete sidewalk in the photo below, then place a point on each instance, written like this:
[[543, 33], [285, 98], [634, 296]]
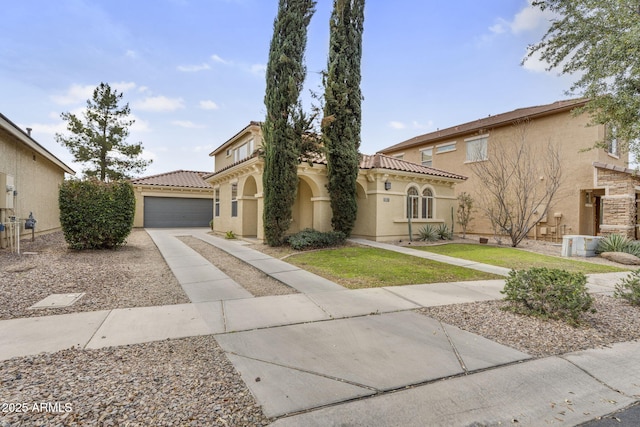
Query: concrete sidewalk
[[332, 356]]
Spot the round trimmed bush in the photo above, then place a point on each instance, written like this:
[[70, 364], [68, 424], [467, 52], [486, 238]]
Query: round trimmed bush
[[95, 214]]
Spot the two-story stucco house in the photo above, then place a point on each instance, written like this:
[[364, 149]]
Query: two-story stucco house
[[382, 187], [597, 195], [30, 177]]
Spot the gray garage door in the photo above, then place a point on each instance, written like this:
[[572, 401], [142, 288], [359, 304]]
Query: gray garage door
[[162, 212]]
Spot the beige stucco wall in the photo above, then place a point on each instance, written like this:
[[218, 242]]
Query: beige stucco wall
[[142, 191], [381, 213], [36, 180], [223, 160], [570, 133]]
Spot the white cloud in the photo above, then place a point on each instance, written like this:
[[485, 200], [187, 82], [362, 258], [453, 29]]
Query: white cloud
[[81, 93], [159, 103], [535, 64], [139, 125], [219, 60], [208, 105], [193, 68], [187, 124], [530, 18], [258, 69], [75, 94], [123, 86], [131, 54], [45, 128], [397, 125]]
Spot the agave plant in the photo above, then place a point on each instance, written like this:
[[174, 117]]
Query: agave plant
[[428, 233], [444, 233], [614, 243]]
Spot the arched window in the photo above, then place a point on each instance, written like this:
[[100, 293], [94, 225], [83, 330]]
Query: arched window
[[427, 203], [412, 202]]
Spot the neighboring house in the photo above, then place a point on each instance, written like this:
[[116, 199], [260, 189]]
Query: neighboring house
[[383, 187], [173, 199], [597, 196], [30, 177]]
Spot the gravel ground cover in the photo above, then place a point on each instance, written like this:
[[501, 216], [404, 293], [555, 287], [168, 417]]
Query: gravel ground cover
[[134, 275], [184, 382], [614, 321], [190, 382], [250, 278]]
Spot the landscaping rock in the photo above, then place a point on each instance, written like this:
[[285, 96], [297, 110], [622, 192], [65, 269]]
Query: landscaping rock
[[621, 258]]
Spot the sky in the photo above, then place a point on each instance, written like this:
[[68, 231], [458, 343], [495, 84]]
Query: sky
[[193, 71]]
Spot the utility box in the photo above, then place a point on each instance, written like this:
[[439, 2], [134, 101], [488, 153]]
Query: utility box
[[7, 188], [582, 246]]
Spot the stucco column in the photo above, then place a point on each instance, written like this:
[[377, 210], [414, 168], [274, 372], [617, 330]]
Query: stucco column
[[260, 208], [322, 213]]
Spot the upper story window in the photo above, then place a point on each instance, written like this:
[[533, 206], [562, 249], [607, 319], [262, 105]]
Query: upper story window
[[243, 151], [477, 148], [398, 156], [612, 142], [427, 157], [445, 148]]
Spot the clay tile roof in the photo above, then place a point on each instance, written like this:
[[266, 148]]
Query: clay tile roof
[[179, 178], [380, 161], [489, 122]]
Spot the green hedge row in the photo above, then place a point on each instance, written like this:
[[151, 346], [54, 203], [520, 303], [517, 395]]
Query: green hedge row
[[313, 239], [96, 215]]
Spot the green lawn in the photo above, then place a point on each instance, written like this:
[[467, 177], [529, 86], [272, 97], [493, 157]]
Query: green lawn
[[360, 267], [514, 258]]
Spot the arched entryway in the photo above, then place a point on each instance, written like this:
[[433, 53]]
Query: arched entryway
[[302, 213]]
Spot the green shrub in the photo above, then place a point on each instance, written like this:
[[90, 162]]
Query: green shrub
[[230, 235], [548, 293], [633, 248], [444, 233], [96, 215], [629, 288], [613, 243], [428, 233], [313, 239]]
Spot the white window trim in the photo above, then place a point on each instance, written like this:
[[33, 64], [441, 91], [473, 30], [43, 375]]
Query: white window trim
[[417, 201], [475, 138], [433, 202], [446, 144], [422, 153]]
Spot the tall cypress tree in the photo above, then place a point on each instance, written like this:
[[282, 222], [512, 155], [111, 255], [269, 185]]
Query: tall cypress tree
[[282, 137], [342, 111]]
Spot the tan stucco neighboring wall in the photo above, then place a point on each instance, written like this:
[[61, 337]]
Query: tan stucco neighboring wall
[[36, 180], [574, 137], [142, 191]]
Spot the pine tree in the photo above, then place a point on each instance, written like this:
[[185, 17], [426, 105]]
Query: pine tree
[[99, 140], [281, 130], [342, 112]]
